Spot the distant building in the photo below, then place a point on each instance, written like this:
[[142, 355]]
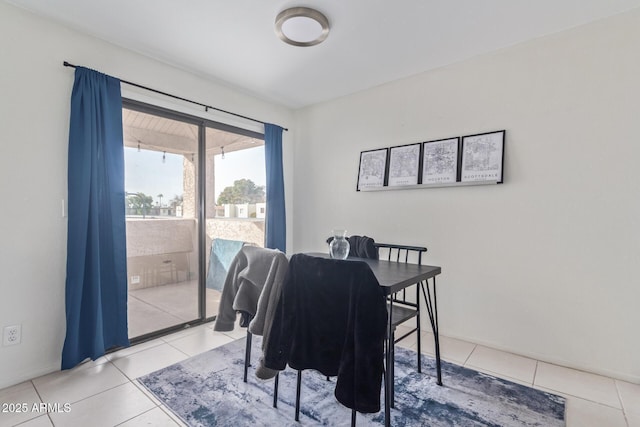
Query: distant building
[[261, 210], [246, 210], [229, 211]]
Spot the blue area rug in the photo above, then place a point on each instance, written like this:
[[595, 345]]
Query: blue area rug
[[207, 390]]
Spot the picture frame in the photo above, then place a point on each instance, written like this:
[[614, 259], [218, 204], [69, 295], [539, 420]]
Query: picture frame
[[440, 161], [404, 165], [372, 171], [482, 157]]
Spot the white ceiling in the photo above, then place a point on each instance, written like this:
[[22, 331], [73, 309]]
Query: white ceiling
[[371, 41]]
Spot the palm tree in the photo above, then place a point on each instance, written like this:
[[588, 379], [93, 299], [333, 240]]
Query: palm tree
[[160, 196]]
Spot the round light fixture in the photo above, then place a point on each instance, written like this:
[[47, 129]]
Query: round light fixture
[[302, 26]]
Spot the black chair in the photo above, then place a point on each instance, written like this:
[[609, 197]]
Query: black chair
[[253, 283], [402, 307], [332, 318]]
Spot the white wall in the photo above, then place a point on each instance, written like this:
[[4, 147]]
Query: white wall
[[34, 117], [543, 265]]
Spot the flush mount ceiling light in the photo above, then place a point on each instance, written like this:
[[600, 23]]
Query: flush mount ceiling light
[[302, 26]]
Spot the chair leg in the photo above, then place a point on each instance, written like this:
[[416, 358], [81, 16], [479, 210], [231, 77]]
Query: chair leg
[[275, 390], [247, 355], [418, 327], [419, 346], [391, 369], [353, 418], [299, 382]]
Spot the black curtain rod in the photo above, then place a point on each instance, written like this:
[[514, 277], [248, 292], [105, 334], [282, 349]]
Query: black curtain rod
[[206, 107]]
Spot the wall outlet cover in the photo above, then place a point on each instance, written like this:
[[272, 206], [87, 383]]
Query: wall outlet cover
[[12, 335]]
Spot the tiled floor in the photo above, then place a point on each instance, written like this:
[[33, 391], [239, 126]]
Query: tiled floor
[[158, 307], [105, 392]]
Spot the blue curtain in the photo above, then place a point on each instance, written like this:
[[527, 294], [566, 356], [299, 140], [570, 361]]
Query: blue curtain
[[96, 285], [275, 222]]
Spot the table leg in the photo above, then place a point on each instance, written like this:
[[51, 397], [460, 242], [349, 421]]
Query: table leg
[[432, 309], [388, 387]]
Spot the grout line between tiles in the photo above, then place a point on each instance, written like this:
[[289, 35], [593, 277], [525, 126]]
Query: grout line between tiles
[[622, 405], [535, 374], [469, 356], [567, 395], [136, 416]]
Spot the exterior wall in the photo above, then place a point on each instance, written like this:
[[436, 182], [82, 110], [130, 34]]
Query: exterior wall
[[229, 211], [247, 230], [161, 251], [261, 210]]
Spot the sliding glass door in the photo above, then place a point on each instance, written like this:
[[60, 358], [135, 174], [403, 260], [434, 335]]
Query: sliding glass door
[[191, 185], [235, 202], [161, 158]]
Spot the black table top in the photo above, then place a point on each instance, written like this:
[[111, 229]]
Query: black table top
[[394, 276]]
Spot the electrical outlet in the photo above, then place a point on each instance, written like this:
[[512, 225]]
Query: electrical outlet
[[12, 335], [135, 280]]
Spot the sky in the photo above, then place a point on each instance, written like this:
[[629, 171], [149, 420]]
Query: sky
[[145, 171]]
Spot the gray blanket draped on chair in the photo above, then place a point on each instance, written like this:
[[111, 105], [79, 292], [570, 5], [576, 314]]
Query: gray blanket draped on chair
[[253, 286]]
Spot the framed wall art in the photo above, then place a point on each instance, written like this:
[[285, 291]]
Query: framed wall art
[[373, 169], [482, 157], [440, 161], [404, 165]]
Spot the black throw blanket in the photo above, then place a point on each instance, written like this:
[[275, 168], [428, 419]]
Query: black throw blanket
[[331, 317]]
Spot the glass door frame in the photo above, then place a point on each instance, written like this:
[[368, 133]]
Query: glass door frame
[[202, 124]]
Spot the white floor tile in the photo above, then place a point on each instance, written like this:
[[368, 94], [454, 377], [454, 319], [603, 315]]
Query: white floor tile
[[502, 364], [583, 413], [134, 349], [41, 421], [237, 333], [155, 417], [145, 318], [149, 360], [630, 397], [186, 332], [633, 419], [587, 386], [107, 409], [200, 341], [150, 395], [411, 341], [78, 383], [174, 417], [163, 306], [22, 396], [451, 349]]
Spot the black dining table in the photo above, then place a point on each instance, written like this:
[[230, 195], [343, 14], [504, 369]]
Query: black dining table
[[394, 277]]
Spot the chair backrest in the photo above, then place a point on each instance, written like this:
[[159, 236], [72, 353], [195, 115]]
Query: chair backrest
[[360, 246], [331, 317], [253, 283], [405, 254], [401, 253]]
